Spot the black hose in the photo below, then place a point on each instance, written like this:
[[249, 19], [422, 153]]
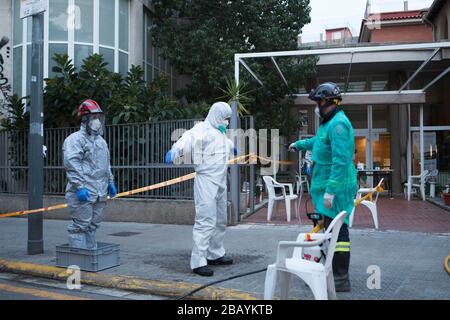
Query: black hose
[[219, 281]]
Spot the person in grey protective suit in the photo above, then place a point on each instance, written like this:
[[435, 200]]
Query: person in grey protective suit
[[86, 160], [210, 148]]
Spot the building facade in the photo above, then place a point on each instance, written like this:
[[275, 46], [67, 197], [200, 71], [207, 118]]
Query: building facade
[[399, 26], [338, 34], [439, 17], [6, 58], [120, 30], [388, 134]]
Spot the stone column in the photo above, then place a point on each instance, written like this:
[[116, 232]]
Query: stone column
[[136, 55], [398, 127]]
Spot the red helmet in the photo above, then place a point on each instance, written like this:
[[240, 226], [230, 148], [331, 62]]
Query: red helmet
[[88, 107]]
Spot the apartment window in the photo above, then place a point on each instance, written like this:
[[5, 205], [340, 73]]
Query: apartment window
[[357, 116], [106, 32], [337, 35], [78, 28]]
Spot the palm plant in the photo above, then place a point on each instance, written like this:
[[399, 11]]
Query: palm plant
[[236, 92]]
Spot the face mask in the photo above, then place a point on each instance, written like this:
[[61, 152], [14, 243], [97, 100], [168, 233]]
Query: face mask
[[95, 126], [223, 127], [317, 112]]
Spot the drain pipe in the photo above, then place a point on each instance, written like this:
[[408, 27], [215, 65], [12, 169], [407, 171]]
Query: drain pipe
[[433, 27]]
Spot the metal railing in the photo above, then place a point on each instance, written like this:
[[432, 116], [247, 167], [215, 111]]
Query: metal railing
[[137, 159]]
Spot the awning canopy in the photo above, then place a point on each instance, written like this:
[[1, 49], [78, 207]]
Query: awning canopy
[[363, 60]]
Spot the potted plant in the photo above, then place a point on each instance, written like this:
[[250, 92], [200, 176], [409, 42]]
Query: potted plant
[[446, 196]]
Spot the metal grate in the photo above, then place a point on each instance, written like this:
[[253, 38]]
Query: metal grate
[[137, 159], [124, 234]]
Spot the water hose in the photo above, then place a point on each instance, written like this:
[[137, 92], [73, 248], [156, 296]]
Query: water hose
[[219, 281]]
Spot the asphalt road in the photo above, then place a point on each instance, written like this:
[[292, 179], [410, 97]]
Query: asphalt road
[[17, 287]]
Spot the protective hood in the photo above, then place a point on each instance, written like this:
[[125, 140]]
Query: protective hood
[[219, 112]]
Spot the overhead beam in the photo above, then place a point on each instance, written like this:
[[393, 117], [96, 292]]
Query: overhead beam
[[251, 71], [423, 65], [442, 74], [416, 56], [279, 71], [372, 98], [416, 46]]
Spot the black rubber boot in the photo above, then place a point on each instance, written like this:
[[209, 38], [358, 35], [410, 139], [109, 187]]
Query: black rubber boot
[[204, 271], [341, 263], [221, 261]]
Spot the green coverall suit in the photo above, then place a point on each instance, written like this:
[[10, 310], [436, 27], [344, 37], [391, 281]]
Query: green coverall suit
[[334, 173]]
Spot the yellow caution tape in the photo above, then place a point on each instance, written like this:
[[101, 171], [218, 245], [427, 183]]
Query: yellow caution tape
[[25, 212], [135, 191], [369, 195]]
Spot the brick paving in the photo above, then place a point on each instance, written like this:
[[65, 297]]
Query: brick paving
[[393, 214]]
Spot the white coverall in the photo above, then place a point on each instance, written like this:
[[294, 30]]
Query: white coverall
[[86, 160], [210, 150]]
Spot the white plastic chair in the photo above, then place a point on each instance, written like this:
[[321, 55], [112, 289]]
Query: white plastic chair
[[300, 180], [371, 205], [271, 184], [416, 182], [318, 276]]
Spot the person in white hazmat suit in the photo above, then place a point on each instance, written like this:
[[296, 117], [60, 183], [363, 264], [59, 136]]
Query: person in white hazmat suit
[[86, 160], [210, 149]]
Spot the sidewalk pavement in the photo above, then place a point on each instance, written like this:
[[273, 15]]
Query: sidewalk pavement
[[411, 263], [393, 214]]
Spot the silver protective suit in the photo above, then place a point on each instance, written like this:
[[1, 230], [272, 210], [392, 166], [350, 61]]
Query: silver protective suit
[[86, 160], [210, 150]]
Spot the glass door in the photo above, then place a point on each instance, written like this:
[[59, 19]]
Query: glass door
[[362, 152]]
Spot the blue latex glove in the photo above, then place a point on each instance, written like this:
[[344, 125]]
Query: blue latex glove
[[308, 169], [170, 156], [112, 190], [235, 151], [83, 195]]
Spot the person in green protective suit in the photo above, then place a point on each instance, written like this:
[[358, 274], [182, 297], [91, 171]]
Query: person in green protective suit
[[333, 184]]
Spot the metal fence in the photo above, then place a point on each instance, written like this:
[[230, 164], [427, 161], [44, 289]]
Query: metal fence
[[137, 159]]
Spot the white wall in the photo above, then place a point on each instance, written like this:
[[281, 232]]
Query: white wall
[[5, 53]]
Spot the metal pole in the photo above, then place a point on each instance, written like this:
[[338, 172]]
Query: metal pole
[[234, 125], [252, 172], [369, 144], [235, 190], [36, 137], [409, 152], [422, 156]]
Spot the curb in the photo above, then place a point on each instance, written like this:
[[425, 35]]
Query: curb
[[170, 289], [440, 205]]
